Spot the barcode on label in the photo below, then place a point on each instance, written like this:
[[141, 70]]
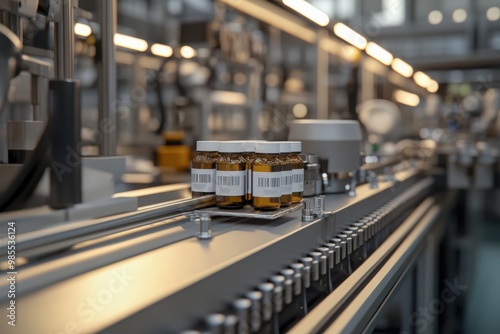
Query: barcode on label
[[298, 178], [229, 181], [268, 182], [201, 178], [287, 180]]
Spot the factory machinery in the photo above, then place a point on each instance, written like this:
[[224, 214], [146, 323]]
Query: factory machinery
[[378, 244]]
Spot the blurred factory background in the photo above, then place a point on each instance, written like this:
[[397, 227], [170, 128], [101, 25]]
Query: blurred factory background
[[102, 103]]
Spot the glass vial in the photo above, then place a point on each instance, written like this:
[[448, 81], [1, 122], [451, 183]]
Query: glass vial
[[297, 171], [266, 176], [230, 176], [286, 173], [203, 168]]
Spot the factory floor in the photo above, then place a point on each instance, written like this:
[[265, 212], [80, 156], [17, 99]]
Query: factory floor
[[483, 306]]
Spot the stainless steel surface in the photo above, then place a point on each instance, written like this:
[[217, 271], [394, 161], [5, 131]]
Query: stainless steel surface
[[248, 212], [215, 323], [308, 210], [420, 221], [256, 309], [312, 179], [62, 236], [205, 231], [107, 16], [64, 41], [338, 141], [358, 315], [271, 247]]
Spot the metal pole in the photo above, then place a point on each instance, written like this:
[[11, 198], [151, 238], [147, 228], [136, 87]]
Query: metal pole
[[66, 169], [322, 75], [65, 116], [107, 77], [65, 43]]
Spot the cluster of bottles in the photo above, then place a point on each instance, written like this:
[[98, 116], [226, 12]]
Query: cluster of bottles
[[266, 175]]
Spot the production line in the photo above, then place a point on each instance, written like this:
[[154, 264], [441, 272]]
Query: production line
[[199, 166]]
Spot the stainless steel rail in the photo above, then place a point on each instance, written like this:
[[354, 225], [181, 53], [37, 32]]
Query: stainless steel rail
[[395, 253], [68, 234]]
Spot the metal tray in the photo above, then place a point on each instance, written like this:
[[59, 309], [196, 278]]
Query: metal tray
[[247, 212]]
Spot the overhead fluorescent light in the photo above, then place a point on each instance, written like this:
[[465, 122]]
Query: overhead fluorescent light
[[83, 30], [379, 53], [406, 98], [306, 9], [422, 79], [402, 67], [129, 42], [161, 50], [228, 97], [350, 36], [187, 52], [433, 87]]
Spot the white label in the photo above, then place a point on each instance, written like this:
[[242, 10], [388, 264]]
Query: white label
[[298, 180], [249, 181], [266, 184], [203, 180], [286, 182], [230, 183]]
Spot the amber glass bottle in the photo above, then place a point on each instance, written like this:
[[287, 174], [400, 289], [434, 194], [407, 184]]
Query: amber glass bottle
[[203, 168], [266, 176], [297, 171], [249, 156], [230, 176], [286, 173]]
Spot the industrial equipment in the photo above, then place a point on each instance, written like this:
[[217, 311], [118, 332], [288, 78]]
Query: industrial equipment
[[374, 229]]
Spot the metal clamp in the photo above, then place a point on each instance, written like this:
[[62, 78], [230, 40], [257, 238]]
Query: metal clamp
[[314, 208], [205, 227]]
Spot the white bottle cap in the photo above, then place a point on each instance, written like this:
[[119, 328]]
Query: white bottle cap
[[207, 146], [285, 147], [249, 145], [296, 146], [267, 147], [231, 146]]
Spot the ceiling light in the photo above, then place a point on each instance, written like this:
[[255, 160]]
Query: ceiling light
[[306, 9], [299, 110], [459, 15], [433, 86], [228, 97], [406, 98], [349, 35], [493, 14], [435, 17], [379, 53], [129, 42], [161, 50], [402, 67], [187, 52], [82, 30], [422, 79]]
